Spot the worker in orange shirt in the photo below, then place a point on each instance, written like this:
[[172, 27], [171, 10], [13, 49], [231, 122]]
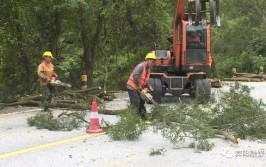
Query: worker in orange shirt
[[46, 73], [193, 37], [139, 80]]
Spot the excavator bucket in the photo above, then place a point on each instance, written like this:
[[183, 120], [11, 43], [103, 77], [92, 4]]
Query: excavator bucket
[[218, 20], [212, 17], [198, 12], [201, 12], [214, 13], [190, 14]]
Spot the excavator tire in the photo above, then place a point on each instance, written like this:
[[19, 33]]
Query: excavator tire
[[202, 90], [157, 93]]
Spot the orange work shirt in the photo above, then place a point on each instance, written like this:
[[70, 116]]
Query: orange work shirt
[[45, 72]]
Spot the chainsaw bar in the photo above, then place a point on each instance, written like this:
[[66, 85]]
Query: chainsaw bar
[[146, 98], [59, 83]]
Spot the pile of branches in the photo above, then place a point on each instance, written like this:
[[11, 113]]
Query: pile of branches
[[247, 77], [130, 126], [78, 99], [66, 121], [235, 115]]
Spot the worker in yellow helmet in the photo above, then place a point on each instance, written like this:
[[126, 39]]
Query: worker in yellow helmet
[[46, 73], [138, 79]]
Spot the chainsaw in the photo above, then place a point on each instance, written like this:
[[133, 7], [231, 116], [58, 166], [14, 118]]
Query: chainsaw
[[59, 83], [146, 97]]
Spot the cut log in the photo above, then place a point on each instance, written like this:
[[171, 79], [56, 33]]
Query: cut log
[[216, 83], [108, 98]]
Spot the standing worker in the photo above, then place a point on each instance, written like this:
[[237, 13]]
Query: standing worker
[[139, 80], [46, 74]]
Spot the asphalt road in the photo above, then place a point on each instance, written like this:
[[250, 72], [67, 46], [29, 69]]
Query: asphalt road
[[21, 145]]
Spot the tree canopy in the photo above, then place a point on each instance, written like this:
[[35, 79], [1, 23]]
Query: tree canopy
[[106, 38]]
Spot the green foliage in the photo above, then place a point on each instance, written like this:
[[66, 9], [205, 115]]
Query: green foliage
[[240, 42], [236, 112], [48, 121], [234, 115], [240, 114], [130, 126], [158, 151], [184, 120], [119, 40], [69, 29]]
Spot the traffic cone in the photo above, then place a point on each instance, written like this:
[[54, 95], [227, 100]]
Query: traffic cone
[[94, 120]]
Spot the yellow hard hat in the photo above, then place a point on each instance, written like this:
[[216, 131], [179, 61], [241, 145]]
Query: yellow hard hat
[[48, 54], [150, 56]]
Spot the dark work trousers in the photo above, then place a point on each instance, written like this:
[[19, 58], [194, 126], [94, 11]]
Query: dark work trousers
[[138, 102], [47, 96]]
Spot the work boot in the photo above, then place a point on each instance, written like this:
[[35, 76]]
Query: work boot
[[143, 116], [47, 110]]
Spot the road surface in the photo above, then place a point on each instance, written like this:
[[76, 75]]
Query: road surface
[[21, 145]]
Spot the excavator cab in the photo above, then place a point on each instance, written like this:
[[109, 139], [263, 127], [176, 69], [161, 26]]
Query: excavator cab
[[196, 47], [196, 38], [196, 51]]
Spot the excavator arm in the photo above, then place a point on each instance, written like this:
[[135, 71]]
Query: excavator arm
[[195, 13]]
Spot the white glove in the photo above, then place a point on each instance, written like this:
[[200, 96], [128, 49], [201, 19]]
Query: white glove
[[144, 91]]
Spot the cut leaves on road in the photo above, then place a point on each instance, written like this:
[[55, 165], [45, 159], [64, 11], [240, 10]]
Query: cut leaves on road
[[235, 116]]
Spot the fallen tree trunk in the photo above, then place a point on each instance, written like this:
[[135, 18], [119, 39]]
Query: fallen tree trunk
[[108, 93], [79, 92], [97, 98], [250, 75], [242, 79], [27, 98], [87, 90], [24, 103], [72, 114], [110, 112], [82, 106], [228, 136], [68, 101]]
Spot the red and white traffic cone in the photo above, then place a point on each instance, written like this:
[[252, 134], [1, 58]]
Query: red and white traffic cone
[[94, 120]]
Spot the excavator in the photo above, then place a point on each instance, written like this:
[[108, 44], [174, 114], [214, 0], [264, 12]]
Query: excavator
[[183, 68]]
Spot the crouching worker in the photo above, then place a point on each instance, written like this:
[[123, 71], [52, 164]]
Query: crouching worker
[[46, 73], [139, 80]]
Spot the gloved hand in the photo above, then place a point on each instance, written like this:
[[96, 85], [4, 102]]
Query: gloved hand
[[144, 91]]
